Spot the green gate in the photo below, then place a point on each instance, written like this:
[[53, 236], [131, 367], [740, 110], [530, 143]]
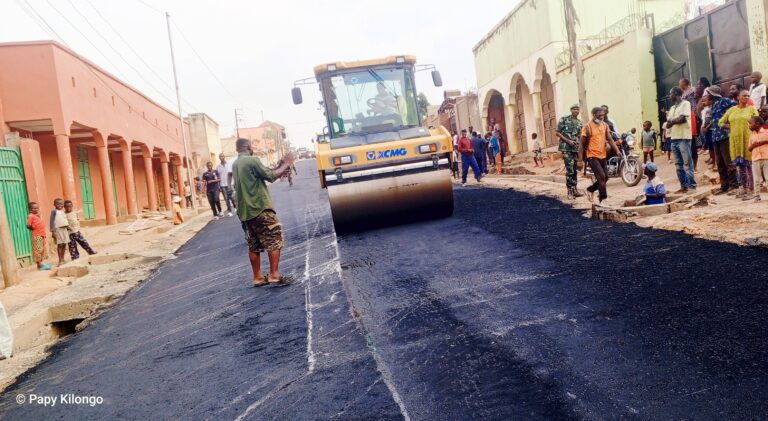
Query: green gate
[[89, 210], [14, 189]]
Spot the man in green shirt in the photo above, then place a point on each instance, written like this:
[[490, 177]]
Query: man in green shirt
[[263, 230], [569, 132]]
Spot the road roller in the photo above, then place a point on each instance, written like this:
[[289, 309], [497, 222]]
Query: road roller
[[381, 166]]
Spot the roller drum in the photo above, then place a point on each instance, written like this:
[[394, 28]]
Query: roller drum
[[391, 200]]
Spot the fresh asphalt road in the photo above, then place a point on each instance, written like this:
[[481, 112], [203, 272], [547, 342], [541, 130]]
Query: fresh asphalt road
[[515, 308]]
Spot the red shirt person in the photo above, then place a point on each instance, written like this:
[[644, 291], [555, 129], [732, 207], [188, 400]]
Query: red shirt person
[[467, 152], [37, 227]]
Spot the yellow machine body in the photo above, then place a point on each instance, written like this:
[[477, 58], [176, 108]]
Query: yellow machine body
[[384, 176]]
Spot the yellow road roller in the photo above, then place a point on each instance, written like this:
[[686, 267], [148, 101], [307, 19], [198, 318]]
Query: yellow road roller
[[381, 166]]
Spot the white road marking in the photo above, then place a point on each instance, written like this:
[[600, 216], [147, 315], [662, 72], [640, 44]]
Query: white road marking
[[381, 365], [311, 358]]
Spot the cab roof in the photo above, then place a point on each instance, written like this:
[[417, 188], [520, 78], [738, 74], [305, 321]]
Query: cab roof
[[341, 65]]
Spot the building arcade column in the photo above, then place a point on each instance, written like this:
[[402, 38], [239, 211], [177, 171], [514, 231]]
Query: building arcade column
[[166, 183], [179, 169], [513, 145], [130, 183], [107, 189], [151, 189], [64, 156], [536, 96]]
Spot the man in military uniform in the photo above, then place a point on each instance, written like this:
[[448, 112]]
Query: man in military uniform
[[568, 131]]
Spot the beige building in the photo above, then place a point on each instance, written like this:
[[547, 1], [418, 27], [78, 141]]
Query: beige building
[[205, 140], [457, 111], [228, 147], [526, 80], [267, 139]]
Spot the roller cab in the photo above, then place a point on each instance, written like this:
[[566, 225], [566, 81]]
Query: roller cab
[[379, 164]]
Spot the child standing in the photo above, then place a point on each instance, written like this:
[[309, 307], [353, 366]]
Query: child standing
[[666, 144], [537, 154], [758, 144], [455, 164], [655, 192], [59, 229], [649, 141], [187, 193], [75, 236], [178, 218], [37, 228]]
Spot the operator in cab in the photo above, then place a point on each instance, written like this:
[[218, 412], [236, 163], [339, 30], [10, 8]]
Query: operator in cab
[[384, 102]]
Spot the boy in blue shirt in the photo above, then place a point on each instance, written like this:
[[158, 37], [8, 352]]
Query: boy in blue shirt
[[655, 192]]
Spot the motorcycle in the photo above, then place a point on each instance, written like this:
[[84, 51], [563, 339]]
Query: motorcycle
[[625, 165]]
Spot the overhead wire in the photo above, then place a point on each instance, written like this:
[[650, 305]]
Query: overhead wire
[[87, 38], [197, 54], [46, 27], [136, 53], [150, 84], [205, 64], [150, 6]]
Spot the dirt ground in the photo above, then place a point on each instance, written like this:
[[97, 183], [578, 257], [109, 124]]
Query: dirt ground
[[49, 304], [725, 218]]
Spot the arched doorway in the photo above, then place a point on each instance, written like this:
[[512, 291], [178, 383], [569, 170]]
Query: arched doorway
[[548, 114], [496, 114], [520, 133]]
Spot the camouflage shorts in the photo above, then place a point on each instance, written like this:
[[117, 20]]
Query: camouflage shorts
[[264, 232]]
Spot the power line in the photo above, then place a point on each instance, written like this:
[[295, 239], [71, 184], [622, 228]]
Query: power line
[[53, 32], [150, 6], [117, 69], [150, 84], [136, 53], [184, 37]]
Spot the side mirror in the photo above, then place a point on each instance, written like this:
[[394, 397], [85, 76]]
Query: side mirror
[[326, 131], [296, 94], [436, 78]]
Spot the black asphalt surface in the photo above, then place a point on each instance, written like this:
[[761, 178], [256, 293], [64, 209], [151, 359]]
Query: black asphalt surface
[[517, 307]]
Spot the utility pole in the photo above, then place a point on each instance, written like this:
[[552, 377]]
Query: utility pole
[[178, 101], [571, 19], [237, 124]]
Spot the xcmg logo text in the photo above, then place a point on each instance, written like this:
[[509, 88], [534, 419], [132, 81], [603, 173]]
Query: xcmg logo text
[[391, 153]]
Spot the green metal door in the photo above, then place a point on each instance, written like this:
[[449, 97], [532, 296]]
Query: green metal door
[[14, 189], [89, 210]]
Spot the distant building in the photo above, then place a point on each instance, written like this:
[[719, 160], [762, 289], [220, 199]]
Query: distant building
[[526, 79], [205, 140], [267, 139], [228, 147], [457, 111]]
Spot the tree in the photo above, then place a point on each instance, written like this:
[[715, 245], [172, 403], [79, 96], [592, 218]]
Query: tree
[[422, 103]]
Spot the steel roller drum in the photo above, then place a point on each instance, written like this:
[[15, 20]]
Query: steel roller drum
[[391, 201]]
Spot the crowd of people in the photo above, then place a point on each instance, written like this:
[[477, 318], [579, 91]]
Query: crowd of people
[[480, 153], [730, 129]]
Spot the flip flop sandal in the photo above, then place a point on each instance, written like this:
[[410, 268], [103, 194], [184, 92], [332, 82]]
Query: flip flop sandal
[[261, 283], [283, 281]]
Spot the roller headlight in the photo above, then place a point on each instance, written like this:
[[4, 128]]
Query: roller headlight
[[342, 160], [428, 148]]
